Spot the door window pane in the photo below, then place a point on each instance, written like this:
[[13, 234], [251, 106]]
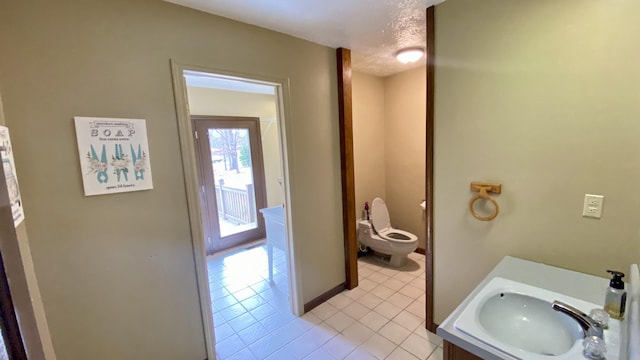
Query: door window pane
[[3, 348], [233, 176]]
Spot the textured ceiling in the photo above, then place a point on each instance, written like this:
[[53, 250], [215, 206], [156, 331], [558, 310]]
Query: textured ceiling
[[374, 30]]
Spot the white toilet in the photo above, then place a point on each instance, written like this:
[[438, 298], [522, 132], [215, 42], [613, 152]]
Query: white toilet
[[378, 234]]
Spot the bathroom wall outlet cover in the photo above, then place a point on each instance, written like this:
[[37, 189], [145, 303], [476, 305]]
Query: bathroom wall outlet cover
[[592, 206]]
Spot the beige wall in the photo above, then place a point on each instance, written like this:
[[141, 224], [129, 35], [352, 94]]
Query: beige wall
[[116, 272], [405, 151], [207, 101], [389, 145], [541, 96], [368, 138]]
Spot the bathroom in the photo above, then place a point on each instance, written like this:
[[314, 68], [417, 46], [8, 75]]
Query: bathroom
[[537, 108], [548, 111], [546, 105], [389, 146]]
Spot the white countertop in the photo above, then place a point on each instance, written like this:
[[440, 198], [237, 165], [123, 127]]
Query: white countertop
[[578, 285]]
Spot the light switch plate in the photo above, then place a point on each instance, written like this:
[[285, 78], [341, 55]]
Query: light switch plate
[[592, 206]]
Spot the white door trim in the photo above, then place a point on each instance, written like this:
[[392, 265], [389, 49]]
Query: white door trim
[[185, 131]]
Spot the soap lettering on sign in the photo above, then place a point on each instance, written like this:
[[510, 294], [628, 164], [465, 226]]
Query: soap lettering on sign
[[107, 133]]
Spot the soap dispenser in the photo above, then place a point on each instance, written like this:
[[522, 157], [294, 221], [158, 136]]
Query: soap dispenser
[[366, 211], [615, 298]]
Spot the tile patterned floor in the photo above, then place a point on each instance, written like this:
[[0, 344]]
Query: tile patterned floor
[[380, 319]]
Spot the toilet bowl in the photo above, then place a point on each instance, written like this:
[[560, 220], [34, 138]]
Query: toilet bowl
[[378, 234]]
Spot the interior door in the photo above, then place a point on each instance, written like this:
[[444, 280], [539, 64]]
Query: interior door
[[231, 176]]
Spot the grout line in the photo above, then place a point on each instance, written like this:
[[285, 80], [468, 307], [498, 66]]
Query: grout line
[[370, 270]]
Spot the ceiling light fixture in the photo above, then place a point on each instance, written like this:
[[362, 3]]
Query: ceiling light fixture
[[409, 55]]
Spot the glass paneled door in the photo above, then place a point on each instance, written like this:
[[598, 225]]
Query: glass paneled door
[[231, 175]]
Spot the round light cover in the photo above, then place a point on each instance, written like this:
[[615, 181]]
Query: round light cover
[[409, 55]]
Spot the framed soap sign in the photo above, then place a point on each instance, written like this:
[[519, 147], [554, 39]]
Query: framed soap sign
[[114, 155]]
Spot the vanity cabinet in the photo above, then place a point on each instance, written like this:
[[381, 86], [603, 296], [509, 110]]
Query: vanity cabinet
[[276, 233], [452, 352]]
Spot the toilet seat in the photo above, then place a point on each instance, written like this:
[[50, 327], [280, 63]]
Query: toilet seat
[[399, 236], [380, 215], [382, 224]]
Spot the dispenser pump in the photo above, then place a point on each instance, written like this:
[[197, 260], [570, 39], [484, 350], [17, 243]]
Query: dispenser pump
[[615, 298], [616, 281]]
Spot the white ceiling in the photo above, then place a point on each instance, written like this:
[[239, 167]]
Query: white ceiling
[[374, 30]]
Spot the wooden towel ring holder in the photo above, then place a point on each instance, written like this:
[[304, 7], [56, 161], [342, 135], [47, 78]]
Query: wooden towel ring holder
[[483, 190]]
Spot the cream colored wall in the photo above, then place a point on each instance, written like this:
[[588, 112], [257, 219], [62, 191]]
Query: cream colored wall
[[389, 145], [405, 151], [207, 101], [368, 103], [541, 96], [116, 272]]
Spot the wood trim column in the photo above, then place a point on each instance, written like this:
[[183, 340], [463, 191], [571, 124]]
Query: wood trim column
[[346, 164], [431, 326]]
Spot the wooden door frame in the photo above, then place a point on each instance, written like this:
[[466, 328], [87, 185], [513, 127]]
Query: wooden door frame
[[347, 165], [257, 167]]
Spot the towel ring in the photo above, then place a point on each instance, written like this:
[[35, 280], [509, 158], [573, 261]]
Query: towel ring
[[483, 190]]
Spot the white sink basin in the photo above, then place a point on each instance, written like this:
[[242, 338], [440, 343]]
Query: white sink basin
[[518, 320], [528, 323]]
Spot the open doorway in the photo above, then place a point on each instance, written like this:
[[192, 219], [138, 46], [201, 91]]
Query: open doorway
[[391, 109], [348, 183], [233, 142]]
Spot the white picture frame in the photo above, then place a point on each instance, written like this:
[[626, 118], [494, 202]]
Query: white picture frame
[[114, 155]]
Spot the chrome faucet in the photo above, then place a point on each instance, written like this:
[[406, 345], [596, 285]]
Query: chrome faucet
[[590, 326]]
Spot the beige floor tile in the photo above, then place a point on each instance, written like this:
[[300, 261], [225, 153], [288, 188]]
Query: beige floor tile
[[382, 318], [357, 333], [394, 332], [340, 321], [324, 311], [437, 354], [387, 310], [417, 346], [382, 292], [340, 301], [378, 346], [356, 310], [374, 321], [370, 300], [401, 354]]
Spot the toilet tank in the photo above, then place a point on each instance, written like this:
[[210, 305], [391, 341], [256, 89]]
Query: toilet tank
[[364, 227]]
